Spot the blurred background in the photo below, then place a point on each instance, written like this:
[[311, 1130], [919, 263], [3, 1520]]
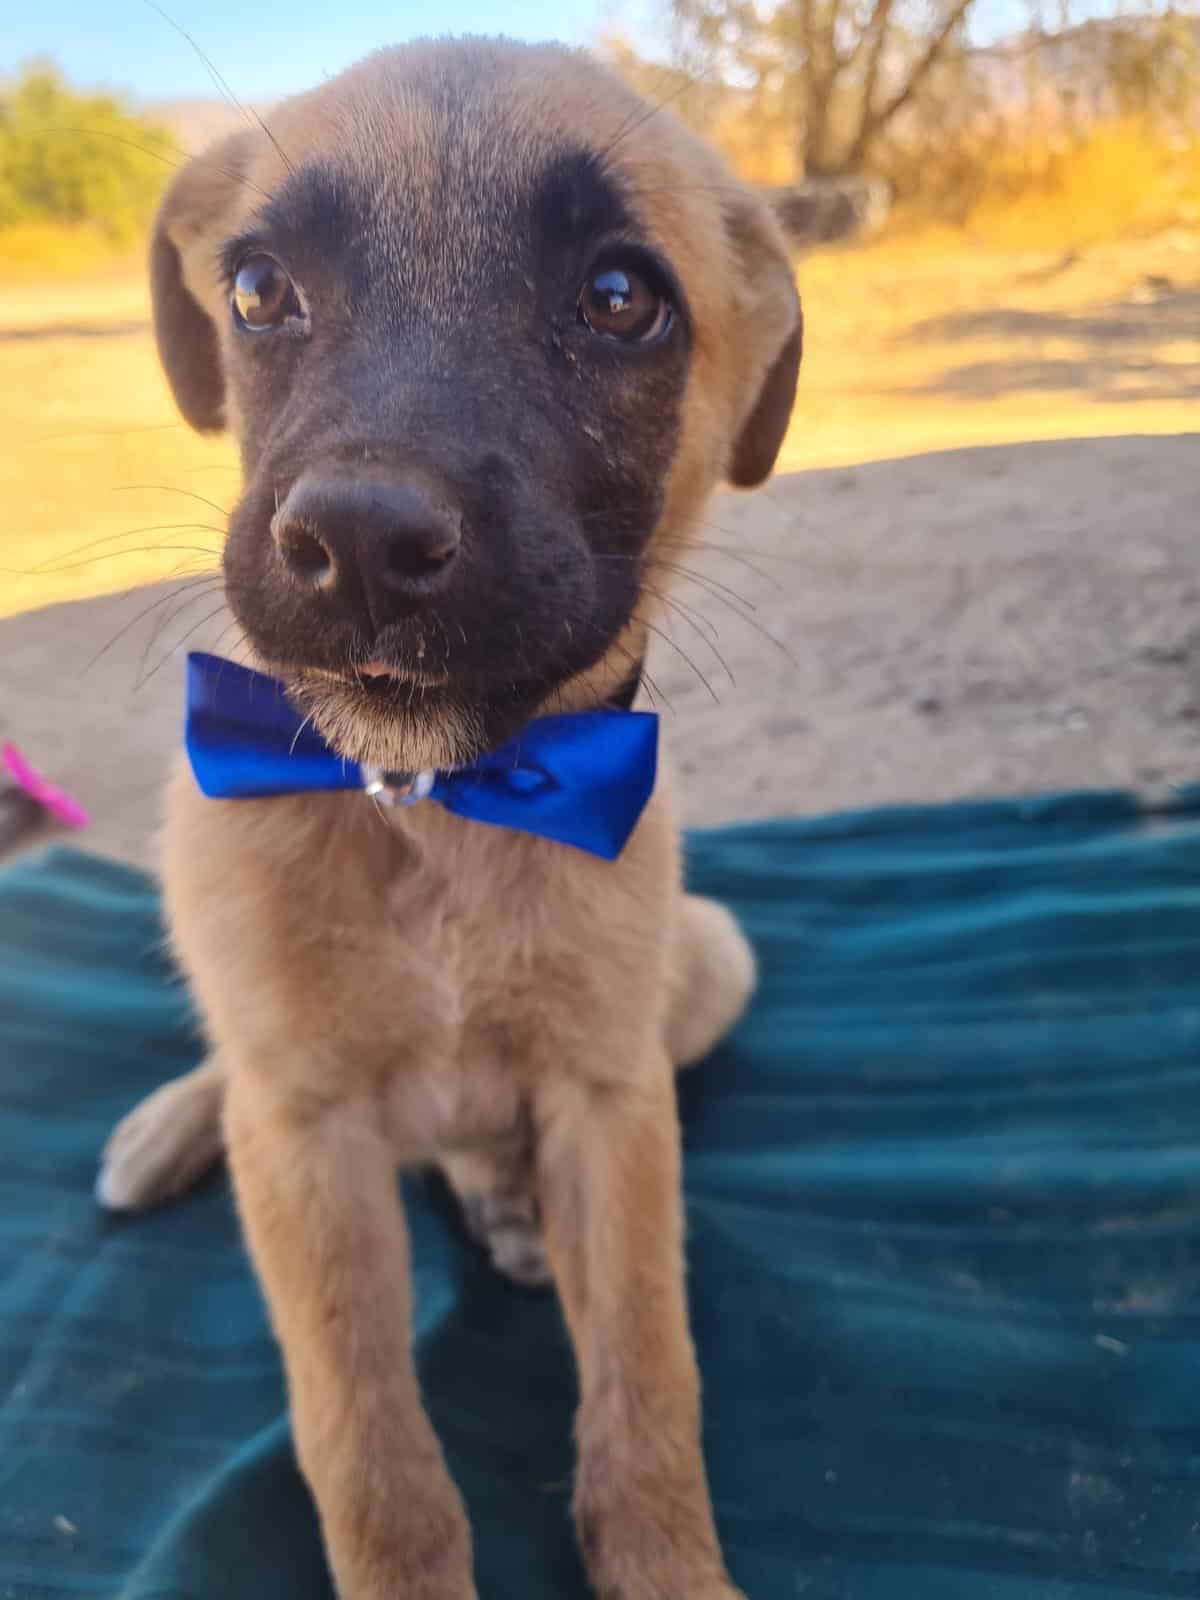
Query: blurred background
[[976, 571]]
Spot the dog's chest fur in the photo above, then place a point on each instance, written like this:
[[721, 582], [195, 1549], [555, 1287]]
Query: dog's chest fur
[[435, 965]]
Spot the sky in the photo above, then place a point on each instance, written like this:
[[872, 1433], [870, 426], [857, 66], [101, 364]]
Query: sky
[[268, 48], [264, 48]]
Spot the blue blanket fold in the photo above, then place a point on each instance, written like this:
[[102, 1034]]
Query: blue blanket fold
[[944, 1241]]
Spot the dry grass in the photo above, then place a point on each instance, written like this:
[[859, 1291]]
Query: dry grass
[[31, 252], [1127, 179], [1053, 189], [931, 342], [84, 415], [926, 341]]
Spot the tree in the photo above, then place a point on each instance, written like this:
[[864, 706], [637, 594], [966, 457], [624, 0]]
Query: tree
[[845, 68], [77, 158], [1153, 64]]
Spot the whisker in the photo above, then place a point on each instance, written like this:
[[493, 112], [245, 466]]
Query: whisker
[[161, 599], [106, 433], [222, 86], [752, 622], [240, 643], [299, 730], [652, 688], [165, 621], [603, 516], [168, 488], [714, 586], [684, 545], [181, 569], [728, 597], [157, 155], [646, 113], [694, 619], [644, 676], [680, 651], [133, 533], [178, 645], [115, 555], [732, 554]]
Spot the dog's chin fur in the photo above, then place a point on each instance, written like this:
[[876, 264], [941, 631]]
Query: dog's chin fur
[[404, 724], [409, 729]]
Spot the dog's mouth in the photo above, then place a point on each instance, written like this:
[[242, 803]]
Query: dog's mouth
[[379, 672], [406, 700], [380, 681], [402, 718]]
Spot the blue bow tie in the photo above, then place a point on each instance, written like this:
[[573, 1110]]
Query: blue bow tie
[[583, 780]]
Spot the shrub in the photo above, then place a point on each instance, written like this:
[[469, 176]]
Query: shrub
[[78, 159]]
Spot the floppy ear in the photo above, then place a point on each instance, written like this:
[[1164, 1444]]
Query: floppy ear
[[197, 211], [773, 327]]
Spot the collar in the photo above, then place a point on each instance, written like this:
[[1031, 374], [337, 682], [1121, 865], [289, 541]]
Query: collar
[[582, 779]]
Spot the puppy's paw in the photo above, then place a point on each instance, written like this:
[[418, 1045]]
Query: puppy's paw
[[413, 1544], [646, 1547], [425, 1588], [671, 1587], [495, 1189], [508, 1228], [164, 1144], [664, 1581], [666, 1584], [438, 1584]]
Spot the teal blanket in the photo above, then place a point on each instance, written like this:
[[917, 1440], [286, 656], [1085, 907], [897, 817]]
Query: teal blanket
[[944, 1234]]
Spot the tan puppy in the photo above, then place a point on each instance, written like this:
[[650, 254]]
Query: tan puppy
[[488, 330]]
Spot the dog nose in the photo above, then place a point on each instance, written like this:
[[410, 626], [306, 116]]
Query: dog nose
[[392, 540]]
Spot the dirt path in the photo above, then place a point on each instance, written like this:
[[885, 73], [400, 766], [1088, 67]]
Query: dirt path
[[968, 622]]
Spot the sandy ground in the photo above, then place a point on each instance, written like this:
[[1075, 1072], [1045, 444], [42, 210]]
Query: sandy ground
[[1017, 613]]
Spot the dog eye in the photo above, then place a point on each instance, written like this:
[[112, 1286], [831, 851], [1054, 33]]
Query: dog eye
[[620, 303], [263, 294]]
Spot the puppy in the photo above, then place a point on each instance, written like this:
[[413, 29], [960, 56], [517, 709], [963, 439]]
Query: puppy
[[488, 330]]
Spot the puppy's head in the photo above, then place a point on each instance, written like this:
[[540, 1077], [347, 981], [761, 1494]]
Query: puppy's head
[[486, 328]]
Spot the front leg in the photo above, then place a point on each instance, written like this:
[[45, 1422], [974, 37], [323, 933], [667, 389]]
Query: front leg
[[316, 1187], [609, 1164]]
